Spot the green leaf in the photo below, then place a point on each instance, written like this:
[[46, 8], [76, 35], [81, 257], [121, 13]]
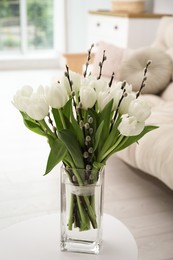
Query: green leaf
[[57, 119], [106, 116], [73, 147], [98, 135], [127, 141], [133, 139], [111, 139], [57, 153], [68, 108], [51, 140], [77, 130], [32, 125], [106, 112]]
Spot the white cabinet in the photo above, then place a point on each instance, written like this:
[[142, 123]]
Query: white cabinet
[[123, 30]]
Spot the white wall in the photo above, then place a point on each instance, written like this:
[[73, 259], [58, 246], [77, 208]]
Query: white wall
[[77, 11], [163, 6]]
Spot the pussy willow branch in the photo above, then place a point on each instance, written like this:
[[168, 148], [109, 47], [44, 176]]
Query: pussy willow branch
[[144, 79], [112, 78], [101, 65], [88, 60], [119, 103], [67, 75], [123, 84], [51, 122]]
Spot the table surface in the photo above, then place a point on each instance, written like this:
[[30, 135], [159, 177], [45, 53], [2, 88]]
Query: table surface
[[38, 239]]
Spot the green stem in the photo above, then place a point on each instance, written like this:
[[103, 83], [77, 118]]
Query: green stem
[[93, 202], [46, 128], [122, 143], [70, 221], [91, 212], [85, 115], [79, 180], [84, 223], [89, 209], [118, 148], [111, 149]]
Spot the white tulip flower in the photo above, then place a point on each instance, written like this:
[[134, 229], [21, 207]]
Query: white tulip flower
[[37, 107], [21, 98], [88, 97], [124, 107], [116, 94], [103, 98], [99, 85], [56, 96], [118, 85], [76, 82], [140, 109], [129, 126], [88, 80]]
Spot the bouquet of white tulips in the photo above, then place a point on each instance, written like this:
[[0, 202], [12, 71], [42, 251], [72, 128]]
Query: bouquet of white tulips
[[85, 119]]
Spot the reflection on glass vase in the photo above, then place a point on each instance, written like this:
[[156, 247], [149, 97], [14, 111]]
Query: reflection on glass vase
[[81, 210]]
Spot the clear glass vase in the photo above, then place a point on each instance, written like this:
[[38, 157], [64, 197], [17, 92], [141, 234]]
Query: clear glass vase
[[81, 210]]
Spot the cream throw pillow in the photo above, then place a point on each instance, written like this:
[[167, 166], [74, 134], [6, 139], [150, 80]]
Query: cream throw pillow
[[167, 94], [159, 72], [168, 35], [114, 56]]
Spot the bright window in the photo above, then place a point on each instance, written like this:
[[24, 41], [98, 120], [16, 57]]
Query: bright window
[[27, 26], [10, 30], [40, 24]]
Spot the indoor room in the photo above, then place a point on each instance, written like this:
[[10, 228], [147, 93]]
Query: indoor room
[[86, 129]]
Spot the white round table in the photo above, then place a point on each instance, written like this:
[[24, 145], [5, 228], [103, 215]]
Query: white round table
[[38, 239]]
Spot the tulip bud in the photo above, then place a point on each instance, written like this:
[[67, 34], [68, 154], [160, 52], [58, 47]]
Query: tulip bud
[[116, 94], [124, 107], [56, 96], [104, 97], [87, 97], [99, 85], [119, 84], [88, 80], [129, 126], [140, 109], [21, 98], [37, 107], [75, 79]]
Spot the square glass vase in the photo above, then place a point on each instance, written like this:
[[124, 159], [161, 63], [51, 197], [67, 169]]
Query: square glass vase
[[82, 194]]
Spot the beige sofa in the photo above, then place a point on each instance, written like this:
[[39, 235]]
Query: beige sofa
[[154, 153]]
